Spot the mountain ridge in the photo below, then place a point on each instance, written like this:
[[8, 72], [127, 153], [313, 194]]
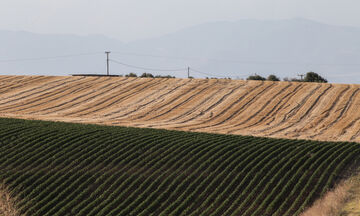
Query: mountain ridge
[[235, 49]]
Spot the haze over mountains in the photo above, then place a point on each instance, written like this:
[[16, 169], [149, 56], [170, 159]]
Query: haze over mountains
[[235, 49]]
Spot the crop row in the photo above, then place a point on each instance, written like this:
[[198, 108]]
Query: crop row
[[73, 169]]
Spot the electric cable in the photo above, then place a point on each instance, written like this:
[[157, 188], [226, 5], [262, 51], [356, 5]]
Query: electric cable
[[145, 68], [50, 57], [214, 75]]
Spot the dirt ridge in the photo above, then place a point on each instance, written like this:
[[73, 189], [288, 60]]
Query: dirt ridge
[[327, 112]]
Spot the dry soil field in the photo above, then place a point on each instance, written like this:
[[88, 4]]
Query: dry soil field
[[273, 109]]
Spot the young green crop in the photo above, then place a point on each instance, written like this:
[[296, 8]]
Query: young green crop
[[74, 169]]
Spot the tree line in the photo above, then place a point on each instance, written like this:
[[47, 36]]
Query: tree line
[[309, 77], [148, 75]]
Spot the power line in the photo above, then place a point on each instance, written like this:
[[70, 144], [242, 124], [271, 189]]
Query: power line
[[153, 69], [145, 68], [238, 60], [184, 58], [50, 57], [215, 75], [205, 73], [301, 76], [153, 56]]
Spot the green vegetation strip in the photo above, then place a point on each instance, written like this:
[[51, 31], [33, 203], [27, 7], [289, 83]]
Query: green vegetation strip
[[73, 169]]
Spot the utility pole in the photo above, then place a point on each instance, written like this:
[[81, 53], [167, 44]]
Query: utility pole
[[107, 62], [188, 72], [301, 76]]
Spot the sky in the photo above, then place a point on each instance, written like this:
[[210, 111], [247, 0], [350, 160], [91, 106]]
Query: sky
[[130, 20]]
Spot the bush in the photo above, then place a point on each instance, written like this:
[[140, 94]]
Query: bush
[[131, 75], [166, 76], [149, 75], [309, 77], [273, 78], [314, 77], [256, 77]]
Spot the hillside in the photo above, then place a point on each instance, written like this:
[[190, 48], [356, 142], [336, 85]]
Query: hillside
[[237, 49], [273, 109], [57, 169]]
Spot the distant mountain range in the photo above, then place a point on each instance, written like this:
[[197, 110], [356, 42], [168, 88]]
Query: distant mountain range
[[237, 49]]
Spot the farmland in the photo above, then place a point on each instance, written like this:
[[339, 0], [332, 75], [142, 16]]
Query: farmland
[[327, 112], [57, 168]]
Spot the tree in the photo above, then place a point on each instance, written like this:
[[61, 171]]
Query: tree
[[164, 76], [273, 78], [131, 75], [314, 77], [256, 77], [149, 75]]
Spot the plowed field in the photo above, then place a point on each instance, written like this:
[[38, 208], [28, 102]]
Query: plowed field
[[272, 109]]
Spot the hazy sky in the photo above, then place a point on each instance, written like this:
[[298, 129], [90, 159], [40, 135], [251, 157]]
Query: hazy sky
[[134, 19]]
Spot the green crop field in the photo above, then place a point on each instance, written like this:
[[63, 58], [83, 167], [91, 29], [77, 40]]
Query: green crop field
[[73, 169]]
